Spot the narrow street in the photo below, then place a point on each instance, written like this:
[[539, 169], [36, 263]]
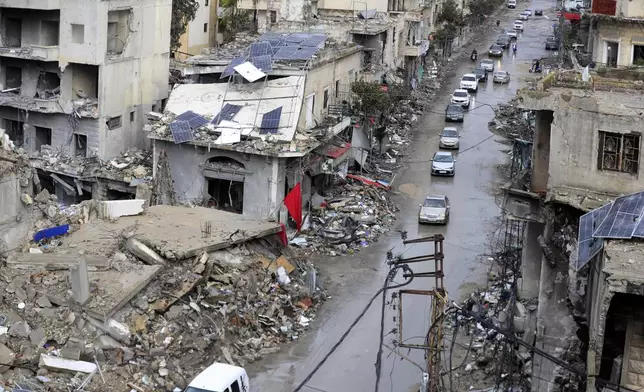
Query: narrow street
[[474, 218]]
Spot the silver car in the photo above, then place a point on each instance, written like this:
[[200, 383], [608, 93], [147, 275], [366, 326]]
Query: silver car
[[443, 164], [488, 65], [449, 138], [501, 77], [435, 209]]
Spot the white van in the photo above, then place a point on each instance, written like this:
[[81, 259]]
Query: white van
[[220, 377], [512, 3]]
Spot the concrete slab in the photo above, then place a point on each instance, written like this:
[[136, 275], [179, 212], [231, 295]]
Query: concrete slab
[[110, 290], [175, 233], [55, 261]]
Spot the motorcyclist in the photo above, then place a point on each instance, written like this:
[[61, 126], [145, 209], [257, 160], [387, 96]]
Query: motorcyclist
[[474, 54], [498, 22], [514, 48]]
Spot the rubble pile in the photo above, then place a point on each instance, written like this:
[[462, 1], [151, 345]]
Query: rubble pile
[[233, 306], [354, 216], [512, 122]]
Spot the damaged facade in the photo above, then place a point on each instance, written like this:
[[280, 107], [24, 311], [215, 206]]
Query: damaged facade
[[63, 93], [585, 152], [258, 137], [616, 38]]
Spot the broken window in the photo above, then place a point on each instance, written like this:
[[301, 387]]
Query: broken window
[[638, 55], [205, 27], [13, 77], [49, 32], [48, 85], [118, 30], [273, 16], [619, 152], [15, 131], [131, 116], [85, 81], [114, 122], [80, 145], [325, 100], [43, 138], [78, 33], [13, 32]]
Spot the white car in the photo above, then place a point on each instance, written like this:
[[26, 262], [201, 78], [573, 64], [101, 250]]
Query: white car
[[523, 16], [518, 25], [512, 33], [528, 11], [461, 97], [469, 82]]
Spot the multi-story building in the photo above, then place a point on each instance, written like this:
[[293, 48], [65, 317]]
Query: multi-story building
[[616, 36], [78, 75], [201, 32], [585, 152]]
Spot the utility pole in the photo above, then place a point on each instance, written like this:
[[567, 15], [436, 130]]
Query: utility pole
[[434, 338]]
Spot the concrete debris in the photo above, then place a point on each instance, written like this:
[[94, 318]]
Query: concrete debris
[[512, 122]]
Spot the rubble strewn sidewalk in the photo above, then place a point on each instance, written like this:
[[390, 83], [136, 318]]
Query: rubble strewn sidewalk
[[226, 292]]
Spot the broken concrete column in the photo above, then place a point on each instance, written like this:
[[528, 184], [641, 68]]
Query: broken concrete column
[[143, 252], [80, 282]]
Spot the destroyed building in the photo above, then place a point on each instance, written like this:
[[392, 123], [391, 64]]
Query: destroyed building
[[615, 37], [269, 123], [77, 78], [585, 152]]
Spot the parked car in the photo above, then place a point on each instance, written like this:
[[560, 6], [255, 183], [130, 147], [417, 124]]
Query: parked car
[[495, 51], [469, 83], [443, 164], [552, 43], [512, 3], [220, 377], [518, 25], [501, 77], [454, 112], [524, 15], [449, 138], [487, 64], [538, 12], [528, 11], [481, 74], [512, 33], [503, 41], [461, 97], [435, 209]]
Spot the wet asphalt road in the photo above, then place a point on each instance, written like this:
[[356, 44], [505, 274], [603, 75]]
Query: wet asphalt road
[[474, 218]]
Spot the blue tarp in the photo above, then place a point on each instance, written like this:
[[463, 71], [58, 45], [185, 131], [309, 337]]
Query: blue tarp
[[51, 232]]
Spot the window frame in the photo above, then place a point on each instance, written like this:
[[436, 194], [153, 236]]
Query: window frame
[[620, 156]]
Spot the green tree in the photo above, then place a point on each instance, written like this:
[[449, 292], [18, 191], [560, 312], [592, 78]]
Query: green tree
[[451, 14], [183, 11], [372, 98], [234, 20]]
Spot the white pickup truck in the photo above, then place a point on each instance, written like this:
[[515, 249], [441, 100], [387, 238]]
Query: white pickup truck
[[220, 377]]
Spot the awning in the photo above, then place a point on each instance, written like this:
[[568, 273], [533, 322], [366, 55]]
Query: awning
[[572, 15], [335, 151]]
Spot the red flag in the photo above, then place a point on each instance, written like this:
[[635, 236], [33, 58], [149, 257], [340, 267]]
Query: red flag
[[293, 203]]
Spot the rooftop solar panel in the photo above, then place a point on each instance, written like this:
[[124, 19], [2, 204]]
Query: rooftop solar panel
[[186, 116], [314, 40], [227, 113], [269, 36], [260, 49], [285, 53], [304, 53], [181, 131], [271, 122], [297, 37], [230, 67], [264, 63], [197, 121]]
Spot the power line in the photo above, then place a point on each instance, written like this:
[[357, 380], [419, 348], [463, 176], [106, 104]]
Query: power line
[[390, 276]]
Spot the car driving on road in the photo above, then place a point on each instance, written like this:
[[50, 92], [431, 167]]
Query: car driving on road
[[454, 112], [443, 164], [501, 77], [461, 97], [481, 74], [538, 12], [503, 41], [495, 51], [469, 83], [487, 64], [552, 43], [518, 25], [435, 209], [449, 138], [528, 11], [512, 33], [524, 15]]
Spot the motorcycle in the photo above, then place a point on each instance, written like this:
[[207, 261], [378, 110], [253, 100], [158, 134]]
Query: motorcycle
[[473, 56], [514, 49]]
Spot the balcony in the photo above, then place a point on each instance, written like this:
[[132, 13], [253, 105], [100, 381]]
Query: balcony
[[33, 52], [417, 50], [31, 4]]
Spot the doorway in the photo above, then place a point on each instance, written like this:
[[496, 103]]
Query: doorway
[[612, 53], [227, 195]]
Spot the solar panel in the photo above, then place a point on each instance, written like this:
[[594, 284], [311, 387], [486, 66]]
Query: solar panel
[[233, 63], [181, 131], [314, 40], [186, 116], [264, 63], [304, 53], [197, 121], [271, 122], [623, 216], [589, 246], [268, 36], [228, 112], [297, 37], [261, 49], [285, 53]]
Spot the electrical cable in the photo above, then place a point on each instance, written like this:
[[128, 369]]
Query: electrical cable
[[390, 275]]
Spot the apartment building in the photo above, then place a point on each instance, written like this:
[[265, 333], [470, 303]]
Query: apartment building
[[201, 32], [616, 37], [78, 75]]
